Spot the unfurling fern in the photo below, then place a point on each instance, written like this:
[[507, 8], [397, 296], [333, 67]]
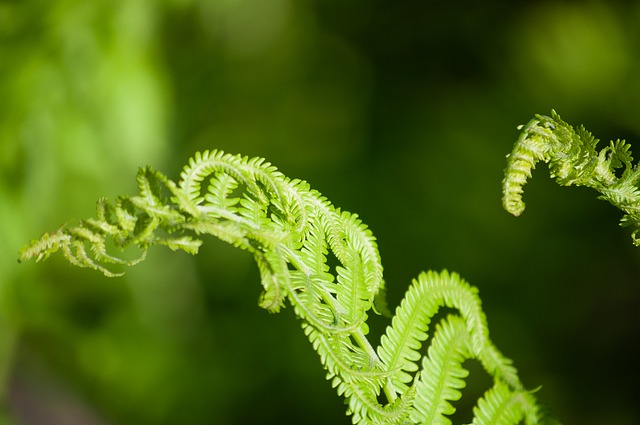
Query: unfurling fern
[[290, 229], [574, 160]]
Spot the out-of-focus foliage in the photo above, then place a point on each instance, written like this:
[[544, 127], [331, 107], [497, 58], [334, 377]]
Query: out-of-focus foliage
[[402, 112]]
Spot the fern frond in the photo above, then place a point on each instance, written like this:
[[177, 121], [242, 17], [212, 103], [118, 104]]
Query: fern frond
[[291, 230], [442, 374], [502, 405], [574, 160], [430, 292], [42, 248]]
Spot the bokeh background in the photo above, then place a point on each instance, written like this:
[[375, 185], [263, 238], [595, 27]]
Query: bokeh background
[[402, 111]]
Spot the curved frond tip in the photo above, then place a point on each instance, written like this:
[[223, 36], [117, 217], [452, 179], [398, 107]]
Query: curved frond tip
[[574, 159]]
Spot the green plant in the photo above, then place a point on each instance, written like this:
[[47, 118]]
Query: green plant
[[325, 262], [573, 160]]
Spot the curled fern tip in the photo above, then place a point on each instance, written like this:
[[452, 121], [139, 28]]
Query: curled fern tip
[[574, 159]]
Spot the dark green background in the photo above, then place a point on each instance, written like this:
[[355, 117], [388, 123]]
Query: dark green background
[[401, 111]]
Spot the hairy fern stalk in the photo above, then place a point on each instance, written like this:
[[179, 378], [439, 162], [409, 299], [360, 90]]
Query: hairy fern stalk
[[290, 230], [573, 159]]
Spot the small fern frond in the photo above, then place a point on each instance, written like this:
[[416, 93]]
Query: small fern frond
[[292, 230], [219, 191], [574, 160], [502, 405], [442, 376], [42, 248]]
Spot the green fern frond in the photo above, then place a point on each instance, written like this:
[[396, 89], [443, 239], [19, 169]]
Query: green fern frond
[[291, 230], [399, 347], [442, 376], [573, 159], [503, 406]]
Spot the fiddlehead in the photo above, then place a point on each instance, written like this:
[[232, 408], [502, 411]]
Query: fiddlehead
[[574, 160], [290, 229]]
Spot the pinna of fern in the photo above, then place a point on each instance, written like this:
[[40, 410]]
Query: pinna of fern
[[291, 230]]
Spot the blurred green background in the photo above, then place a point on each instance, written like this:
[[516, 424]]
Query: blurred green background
[[400, 111]]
